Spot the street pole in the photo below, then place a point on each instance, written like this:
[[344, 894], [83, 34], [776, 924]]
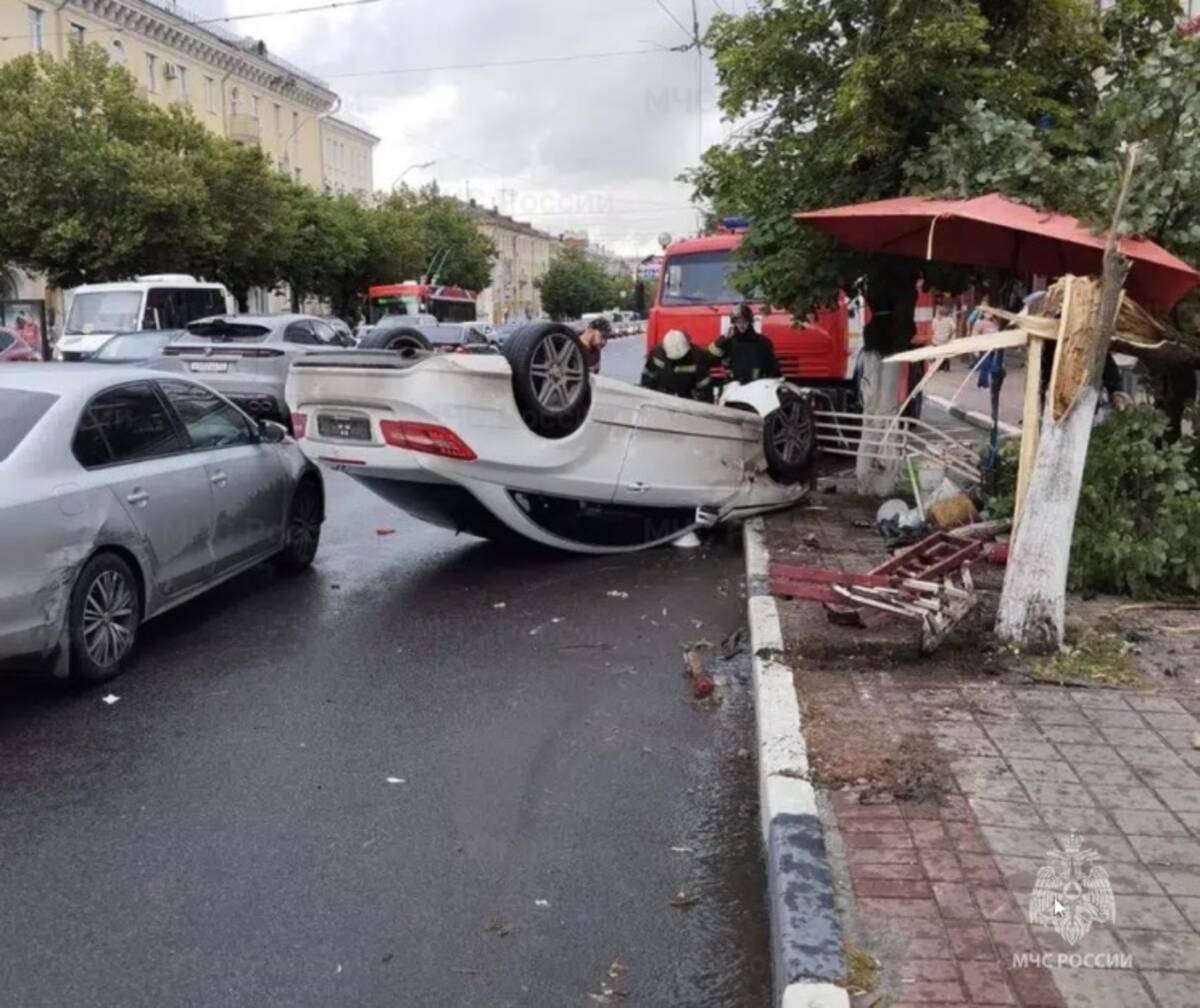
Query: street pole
[[418, 164]]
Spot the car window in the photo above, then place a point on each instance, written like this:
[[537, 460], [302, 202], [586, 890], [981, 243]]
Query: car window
[[325, 333], [20, 410], [125, 424], [300, 332], [135, 346], [201, 302], [209, 421], [6, 339], [165, 309], [223, 329]]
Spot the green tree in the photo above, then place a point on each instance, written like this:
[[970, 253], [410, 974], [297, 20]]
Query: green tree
[[97, 184], [574, 284], [836, 101], [455, 251]]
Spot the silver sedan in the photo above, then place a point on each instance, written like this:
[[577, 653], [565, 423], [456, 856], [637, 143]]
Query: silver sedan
[[123, 494]]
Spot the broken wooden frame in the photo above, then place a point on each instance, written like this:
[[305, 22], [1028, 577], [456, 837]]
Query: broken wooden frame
[[930, 582]]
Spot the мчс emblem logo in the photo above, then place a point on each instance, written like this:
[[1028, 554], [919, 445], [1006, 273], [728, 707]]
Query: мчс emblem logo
[[1072, 893]]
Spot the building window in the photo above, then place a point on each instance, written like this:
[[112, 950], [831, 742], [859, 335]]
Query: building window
[[116, 53], [254, 105], [210, 94], [183, 84], [37, 20], [76, 32], [299, 175], [151, 73], [278, 119], [295, 122], [233, 101]]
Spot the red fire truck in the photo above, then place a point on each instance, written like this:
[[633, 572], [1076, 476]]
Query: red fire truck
[[446, 304], [695, 295]]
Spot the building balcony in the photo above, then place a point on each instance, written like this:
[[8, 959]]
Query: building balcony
[[245, 129]]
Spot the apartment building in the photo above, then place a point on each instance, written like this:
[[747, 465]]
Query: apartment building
[[234, 85], [523, 256]]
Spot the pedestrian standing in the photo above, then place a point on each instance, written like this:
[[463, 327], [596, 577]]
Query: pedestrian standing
[[594, 338], [943, 330]]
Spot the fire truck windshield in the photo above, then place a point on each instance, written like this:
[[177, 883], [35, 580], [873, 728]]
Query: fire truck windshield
[[395, 304], [700, 278]]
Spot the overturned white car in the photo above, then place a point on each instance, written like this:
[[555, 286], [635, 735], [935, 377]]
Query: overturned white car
[[527, 443]]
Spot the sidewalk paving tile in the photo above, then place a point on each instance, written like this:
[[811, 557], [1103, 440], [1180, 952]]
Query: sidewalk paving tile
[[1115, 989], [1125, 796], [1155, 704], [1179, 882], [1169, 851], [1164, 950], [1174, 990], [1147, 822], [1156, 913]]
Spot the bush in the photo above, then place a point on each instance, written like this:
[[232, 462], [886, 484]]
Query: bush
[[1137, 531]]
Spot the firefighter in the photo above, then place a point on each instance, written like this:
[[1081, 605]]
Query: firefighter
[[678, 368], [746, 353]]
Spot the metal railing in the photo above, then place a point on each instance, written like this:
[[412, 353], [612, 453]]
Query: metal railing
[[895, 440]]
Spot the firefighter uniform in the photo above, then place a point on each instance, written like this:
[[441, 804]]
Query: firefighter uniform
[[747, 356], [687, 377]]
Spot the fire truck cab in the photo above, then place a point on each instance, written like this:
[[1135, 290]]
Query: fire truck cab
[[695, 295]]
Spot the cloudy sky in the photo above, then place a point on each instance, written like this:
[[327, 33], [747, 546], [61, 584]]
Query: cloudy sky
[[590, 144]]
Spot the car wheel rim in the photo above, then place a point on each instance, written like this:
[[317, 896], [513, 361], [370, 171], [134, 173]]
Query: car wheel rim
[[791, 432], [407, 347], [558, 373], [109, 618], [305, 524]]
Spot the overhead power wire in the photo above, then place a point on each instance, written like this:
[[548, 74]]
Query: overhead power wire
[[499, 63], [682, 27]]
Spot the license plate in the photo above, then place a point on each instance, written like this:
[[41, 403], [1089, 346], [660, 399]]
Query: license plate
[[209, 365], [344, 427]]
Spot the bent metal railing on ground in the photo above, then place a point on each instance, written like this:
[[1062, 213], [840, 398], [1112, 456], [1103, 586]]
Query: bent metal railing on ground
[[895, 440]]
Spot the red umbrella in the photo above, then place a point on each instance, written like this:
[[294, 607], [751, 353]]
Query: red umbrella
[[994, 231]]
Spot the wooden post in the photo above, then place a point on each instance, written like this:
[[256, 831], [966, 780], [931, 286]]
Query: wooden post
[[1033, 601], [1030, 426]]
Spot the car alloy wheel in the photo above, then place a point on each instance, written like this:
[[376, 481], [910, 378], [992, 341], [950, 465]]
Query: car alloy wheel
[[791, 431], [558, 373], [109, 618]]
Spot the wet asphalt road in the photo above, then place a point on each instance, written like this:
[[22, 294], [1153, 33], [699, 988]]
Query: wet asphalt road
[[226, 833]]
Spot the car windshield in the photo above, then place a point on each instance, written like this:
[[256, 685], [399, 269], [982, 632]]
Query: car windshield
[[700, 278], [134, 346], [226, 331], [105, 312], [20, 410]]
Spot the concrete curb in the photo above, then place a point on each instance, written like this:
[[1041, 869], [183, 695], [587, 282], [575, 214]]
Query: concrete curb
[[806, 937], [975, 419]]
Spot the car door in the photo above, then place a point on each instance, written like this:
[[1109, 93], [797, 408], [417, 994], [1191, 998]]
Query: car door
[[682, 453], [127, 434], [248, 482]]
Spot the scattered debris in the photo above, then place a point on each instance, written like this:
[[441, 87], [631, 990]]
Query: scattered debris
[[702, 683], [734, 644], [556, 619], [683, 900], [536, 630], [395, 780], [541, 903], [617, 594], [1196, 740], [464, 970], [499, 605], [607, 994], [683, 850], [339, 968], [385, 531], [862, 971], [743, 753], [111, 699], [1096, 659], [811, 540], [500, 928]]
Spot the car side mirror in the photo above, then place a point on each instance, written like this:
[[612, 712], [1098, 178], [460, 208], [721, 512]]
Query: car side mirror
[[271, 432]]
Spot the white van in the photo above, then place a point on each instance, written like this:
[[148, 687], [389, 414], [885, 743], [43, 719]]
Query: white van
[[166, 301]]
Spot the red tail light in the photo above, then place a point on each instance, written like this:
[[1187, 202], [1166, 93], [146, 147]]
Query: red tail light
[[429, 438], [299, 425]]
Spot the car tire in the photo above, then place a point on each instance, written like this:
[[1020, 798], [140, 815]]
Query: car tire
[[104, 616], [790, 440], [551, 383], [408, 341], [302, 535]]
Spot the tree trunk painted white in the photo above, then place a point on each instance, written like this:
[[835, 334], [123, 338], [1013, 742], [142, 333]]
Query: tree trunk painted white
[[879, 390], [1035, 580]]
